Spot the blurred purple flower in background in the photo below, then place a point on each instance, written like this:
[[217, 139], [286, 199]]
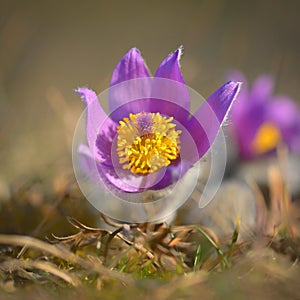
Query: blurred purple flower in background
[[148, 135], [261, 121]]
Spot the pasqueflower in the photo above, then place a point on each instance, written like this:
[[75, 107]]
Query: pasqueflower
[[149, 140], [261, 121]]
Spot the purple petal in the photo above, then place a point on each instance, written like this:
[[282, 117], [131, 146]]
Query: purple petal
[[174, 89], [206, 122], [236, 75], [130, 67], [284, 113], [112, 178], [104, 141], [102, 175], [96, 121], [137, 102], [88, 164], [261, 89], [249, 111], [173, 173], [170, 68], [245, 130], [247, 116]]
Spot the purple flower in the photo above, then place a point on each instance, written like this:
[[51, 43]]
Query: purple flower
[[261, 121], [149, 140]]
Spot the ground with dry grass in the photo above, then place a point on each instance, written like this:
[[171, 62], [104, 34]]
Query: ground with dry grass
[[45, 251]]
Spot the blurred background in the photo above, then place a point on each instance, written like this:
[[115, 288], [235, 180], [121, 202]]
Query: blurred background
[[48, 48]]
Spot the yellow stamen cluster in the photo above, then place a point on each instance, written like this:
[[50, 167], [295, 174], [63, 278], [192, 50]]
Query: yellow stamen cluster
[[147, 142], [266, 139]]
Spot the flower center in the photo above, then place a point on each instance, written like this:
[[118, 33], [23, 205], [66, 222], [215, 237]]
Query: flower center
[[147, 142], [266, 138]]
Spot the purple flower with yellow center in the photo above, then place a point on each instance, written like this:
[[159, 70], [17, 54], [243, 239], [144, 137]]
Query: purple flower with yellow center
[[149, 140], [261, 121]]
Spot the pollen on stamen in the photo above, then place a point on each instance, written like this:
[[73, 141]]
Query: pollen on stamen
[[147, 142]]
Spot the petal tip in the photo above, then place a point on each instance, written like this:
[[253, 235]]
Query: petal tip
[[179, 52], [133, 50], [234, 83], [133, 54], [176, 55], [130, 66], [170, 67], [79, 90], [86, 94], [233, 86]]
